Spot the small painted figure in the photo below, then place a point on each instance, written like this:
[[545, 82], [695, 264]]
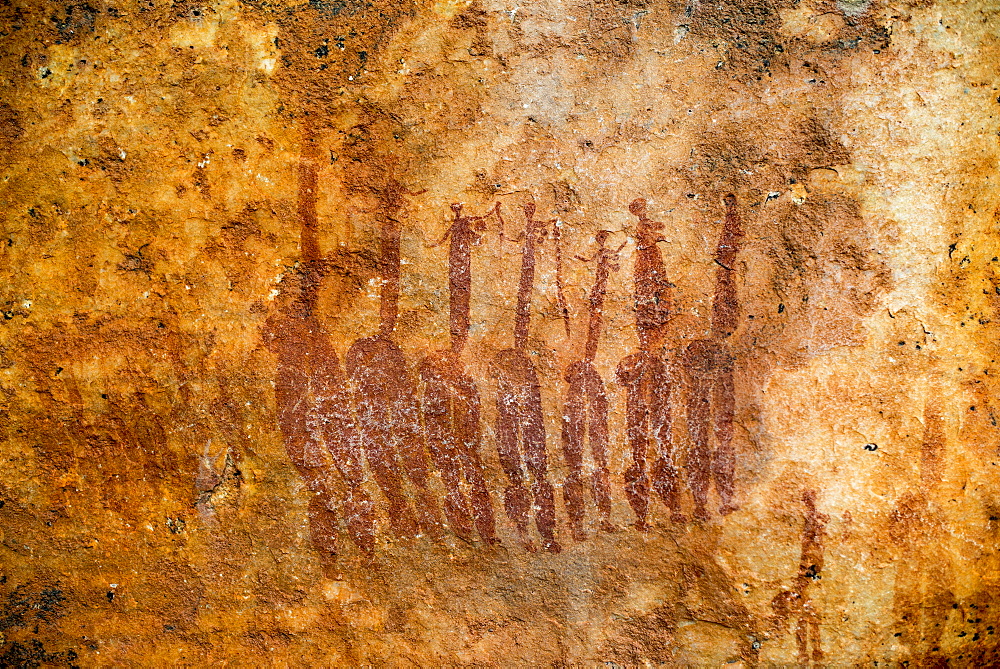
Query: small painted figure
[[925, 580], [796, 602]]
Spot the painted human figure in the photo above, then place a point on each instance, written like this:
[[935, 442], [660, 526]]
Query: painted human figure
[[585, 410], [710, 366], [386, 397], [520, 426], [925, 582], [796, 603], [647, 377], [450, 399], [313, 407]]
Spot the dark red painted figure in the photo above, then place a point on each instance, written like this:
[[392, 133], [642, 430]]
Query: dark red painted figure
[[313, 408], [709, 362], [386, 398], [646, 376], [450, 398], [520, 425], [585, 410]]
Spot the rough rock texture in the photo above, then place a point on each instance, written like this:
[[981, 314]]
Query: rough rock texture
[[499, 332]]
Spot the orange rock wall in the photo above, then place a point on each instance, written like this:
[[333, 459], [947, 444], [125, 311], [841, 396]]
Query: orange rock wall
[[701, 370]]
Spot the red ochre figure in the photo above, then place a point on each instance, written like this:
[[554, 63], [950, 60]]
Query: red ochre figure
[[709, 363], [313, 408], [450, 398], [585, 410], [646, 376], [796, 602], [520, 425], [386, 398]]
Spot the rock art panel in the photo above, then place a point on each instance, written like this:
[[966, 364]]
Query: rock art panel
[[464, 332]]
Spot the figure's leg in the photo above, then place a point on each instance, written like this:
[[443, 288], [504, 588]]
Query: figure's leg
[[321, 512], [440, 432], [517, 501], [323, 523], [331, 419], [724, 460], [469, 436], [573, 433], [665, 476], [360, 514], [814, 637], [636, 481], [382, 462], [303, 450], [699, 455], [410, 445], [537, 459], [359, 511], [601, 483], [802, 632]]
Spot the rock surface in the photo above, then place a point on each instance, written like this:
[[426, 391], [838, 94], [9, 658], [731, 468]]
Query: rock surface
[[496, 332]]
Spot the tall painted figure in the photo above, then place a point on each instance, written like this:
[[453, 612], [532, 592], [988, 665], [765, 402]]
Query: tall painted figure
[[450, 398], [710, 365], [313, 405], [520, 426], [386, 397], [585, 410], [647, 378]]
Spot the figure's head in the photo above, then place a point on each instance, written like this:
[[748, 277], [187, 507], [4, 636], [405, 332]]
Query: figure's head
[[529, 210], [602, 237], [730, 200], [638, 207], [457, 208], [809, 497]]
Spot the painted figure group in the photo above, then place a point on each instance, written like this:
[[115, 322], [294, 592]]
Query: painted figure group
[[374, 412]]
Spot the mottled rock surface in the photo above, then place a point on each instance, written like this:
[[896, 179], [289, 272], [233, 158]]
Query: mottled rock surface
[[702, 370]]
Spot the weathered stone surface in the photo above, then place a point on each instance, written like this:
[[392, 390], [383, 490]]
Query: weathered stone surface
[[701, 370]]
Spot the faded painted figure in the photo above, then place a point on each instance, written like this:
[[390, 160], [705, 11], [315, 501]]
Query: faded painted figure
[[712, 396], [450, 398], [386, 397], [796, 603], [648, 380], [520, 426], [310, 392], [925, 582], [585, 410]]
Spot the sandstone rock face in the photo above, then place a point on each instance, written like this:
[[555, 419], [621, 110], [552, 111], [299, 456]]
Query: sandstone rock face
[[499, 332]]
